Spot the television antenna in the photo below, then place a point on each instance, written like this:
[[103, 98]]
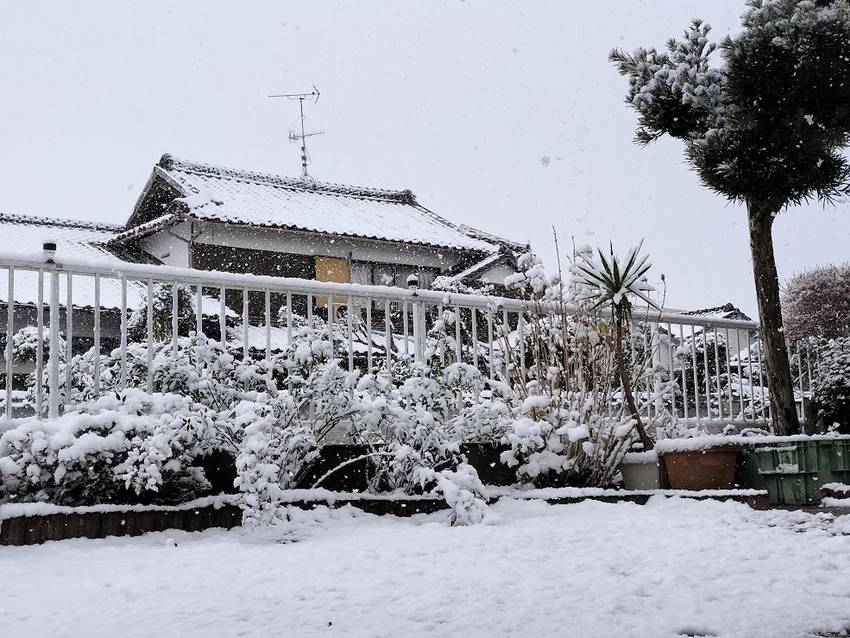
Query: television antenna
[[313, 97]]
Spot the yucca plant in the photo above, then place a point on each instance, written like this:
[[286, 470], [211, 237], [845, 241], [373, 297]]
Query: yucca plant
[[612, 281]]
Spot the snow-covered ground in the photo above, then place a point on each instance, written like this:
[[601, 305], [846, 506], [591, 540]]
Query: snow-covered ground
[[671, 567]]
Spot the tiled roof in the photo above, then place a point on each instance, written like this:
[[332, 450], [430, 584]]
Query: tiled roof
[[24, 235], [76, 224], [727, 311], [245, 197], [147, 228]]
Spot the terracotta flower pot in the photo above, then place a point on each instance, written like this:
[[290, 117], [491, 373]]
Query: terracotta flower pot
[[709, 469]]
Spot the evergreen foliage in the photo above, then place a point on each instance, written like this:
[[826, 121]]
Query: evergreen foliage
[[162, 299], [767, 128], [832, 385], [816, 303]]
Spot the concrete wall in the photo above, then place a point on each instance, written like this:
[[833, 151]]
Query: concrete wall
[[170, 245]]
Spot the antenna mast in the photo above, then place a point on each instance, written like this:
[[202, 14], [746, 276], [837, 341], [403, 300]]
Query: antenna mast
[[302, 137]]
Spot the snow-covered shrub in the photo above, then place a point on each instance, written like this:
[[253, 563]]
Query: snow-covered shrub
[[816, 303], [314, 342], [81, 369], [485, 420], [201, 369], [831, 382], [275, 449], [411, 429], [282, 434], [128, 446], [464, 493], [697, 352], [208, 373], [25, 343], [569, 428], [408, 429]]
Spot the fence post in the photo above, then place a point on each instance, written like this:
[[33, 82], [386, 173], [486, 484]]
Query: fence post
[[418, 321], [418, 331], [10, 333], [53, 381]]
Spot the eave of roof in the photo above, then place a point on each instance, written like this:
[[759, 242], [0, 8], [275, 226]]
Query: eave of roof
[[148, 228]]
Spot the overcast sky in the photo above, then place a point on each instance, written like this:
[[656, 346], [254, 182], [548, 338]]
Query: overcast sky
[[506, 116]]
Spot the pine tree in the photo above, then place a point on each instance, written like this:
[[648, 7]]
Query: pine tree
[[766, 128], [161, 294]]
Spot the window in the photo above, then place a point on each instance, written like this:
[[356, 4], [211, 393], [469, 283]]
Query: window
[[397, 274]]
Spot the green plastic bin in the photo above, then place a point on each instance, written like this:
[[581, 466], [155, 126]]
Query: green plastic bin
[[794, 472], [841, 455]]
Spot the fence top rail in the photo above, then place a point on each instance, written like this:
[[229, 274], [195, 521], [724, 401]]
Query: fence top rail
[[217, 279]]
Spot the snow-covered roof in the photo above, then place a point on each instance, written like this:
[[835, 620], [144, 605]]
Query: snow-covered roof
[[147, 228], [260, 199], [24, 235], [726, 311]]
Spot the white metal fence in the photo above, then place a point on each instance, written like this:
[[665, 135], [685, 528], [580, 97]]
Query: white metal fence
[[715, 363]]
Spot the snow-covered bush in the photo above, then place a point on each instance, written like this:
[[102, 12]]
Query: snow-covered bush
[[409, 430], [569, 428], [129, 446], [464, 493], [816, 303], [201, 369], [831, 384], [81, 370], [25, 344], [424, 438], [208, 373], [276, 447], [314, 343]]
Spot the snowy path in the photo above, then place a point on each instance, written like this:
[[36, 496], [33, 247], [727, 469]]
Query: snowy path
[[667, 568]]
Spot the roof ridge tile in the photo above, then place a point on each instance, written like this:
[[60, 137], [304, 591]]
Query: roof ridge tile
[[17, 218], [169, 163]]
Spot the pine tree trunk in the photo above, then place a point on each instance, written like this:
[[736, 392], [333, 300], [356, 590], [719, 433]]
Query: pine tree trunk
[[775, 352], [626, 382]]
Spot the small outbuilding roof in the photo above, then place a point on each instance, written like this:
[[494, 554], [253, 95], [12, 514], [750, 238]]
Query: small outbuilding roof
[[726, 311]]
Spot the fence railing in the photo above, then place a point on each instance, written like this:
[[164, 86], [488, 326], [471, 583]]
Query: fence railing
[[714, 364]]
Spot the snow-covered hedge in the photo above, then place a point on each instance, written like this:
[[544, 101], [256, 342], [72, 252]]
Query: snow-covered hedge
[[125, 446], [831, 384], [143, 444], [816, 303], [410, 428]]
